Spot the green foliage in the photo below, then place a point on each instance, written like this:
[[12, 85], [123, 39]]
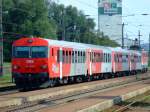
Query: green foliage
[[6, 80], [42, 18], [76, 25], [25, 18]]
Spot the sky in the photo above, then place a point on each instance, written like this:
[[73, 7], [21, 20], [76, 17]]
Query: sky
[[133, 23]]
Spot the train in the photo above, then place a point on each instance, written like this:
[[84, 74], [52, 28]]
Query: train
[[38, 62]]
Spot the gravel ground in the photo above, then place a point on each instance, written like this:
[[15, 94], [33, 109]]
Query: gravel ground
[[141, 106]]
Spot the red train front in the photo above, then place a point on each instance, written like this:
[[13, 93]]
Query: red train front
[[30, 62]]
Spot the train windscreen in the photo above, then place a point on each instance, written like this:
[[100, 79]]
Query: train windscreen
[[39, 52], [30, 52]]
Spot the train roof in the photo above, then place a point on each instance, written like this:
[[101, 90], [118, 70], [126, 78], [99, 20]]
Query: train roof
[[75, 45]]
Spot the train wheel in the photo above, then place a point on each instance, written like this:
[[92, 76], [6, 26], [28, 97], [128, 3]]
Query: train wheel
[[105, 76], [65, 81], [79, 79], [113, 75], [52, 83], [89, 78]]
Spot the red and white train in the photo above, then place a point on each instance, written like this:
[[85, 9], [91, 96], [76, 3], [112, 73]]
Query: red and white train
[[38, 61]]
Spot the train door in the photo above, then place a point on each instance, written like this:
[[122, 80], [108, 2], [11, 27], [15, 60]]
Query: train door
[[73, 72], [133, 63], [139, 65], [124, 62], [78, 64], [88, 62], [96, 64], [60, 59], [113, 61], [66, 65], [82, 63], [54, 64]]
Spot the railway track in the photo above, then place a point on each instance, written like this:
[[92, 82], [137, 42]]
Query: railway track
[[128, 106], [8, 90], [13, 89], [38, 105]]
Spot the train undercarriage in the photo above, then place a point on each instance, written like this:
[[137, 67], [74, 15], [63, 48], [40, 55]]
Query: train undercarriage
[[32, 81]]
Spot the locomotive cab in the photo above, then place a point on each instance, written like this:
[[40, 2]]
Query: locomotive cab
[[30, 62]]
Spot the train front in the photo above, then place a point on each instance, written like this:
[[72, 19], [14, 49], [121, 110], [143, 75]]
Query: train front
[[30, 62]]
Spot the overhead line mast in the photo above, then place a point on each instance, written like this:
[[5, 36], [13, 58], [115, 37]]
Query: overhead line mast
[[1, 40]]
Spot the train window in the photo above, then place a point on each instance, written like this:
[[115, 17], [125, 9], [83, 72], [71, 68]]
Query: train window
[[63, 57], [96, 57], [85, 56], [120, 58], [116, 58], [72, 56], [93, 57], [97, 60], [39, 52], [90, 56], [58, 56], [21, 52], [109, 58], [126, 58], [104, 57], [67, 58], [81, 57], [76, 55], [101, 57], [52, 52]]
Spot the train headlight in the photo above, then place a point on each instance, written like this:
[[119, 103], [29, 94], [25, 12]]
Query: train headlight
[[44, 66], [15, 67]]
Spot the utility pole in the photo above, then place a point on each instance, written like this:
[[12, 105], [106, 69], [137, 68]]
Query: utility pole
[[98, 20], [149, 48], [139, 35], [64, 26], [1, 40], [123, 35]]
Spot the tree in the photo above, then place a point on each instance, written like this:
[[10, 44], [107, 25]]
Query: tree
[[26, 18], [46, 19]]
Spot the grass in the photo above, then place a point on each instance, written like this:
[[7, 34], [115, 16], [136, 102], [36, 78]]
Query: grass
[[6, 79]]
